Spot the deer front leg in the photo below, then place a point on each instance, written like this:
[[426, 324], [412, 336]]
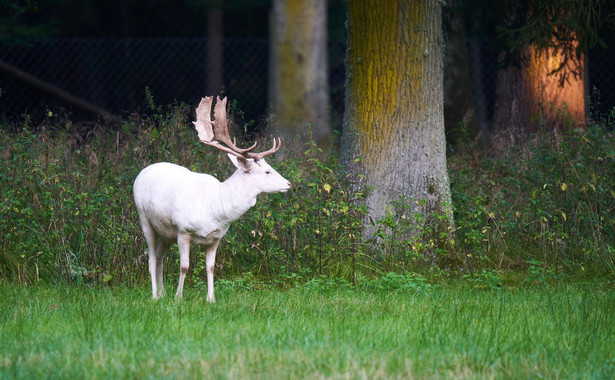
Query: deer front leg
[[183, 243], [210, 262]]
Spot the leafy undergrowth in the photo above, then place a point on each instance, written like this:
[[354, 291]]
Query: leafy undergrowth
[[544, 212]]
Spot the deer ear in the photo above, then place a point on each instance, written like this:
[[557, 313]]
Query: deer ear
[[241, 162]]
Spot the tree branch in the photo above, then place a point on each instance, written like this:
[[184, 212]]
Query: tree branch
[[58, 92]]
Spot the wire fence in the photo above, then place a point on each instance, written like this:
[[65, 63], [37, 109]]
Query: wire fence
[[114, 73]]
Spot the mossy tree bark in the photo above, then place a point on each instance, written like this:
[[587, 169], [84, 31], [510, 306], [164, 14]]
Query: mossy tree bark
[[298, 81], [394, 125]]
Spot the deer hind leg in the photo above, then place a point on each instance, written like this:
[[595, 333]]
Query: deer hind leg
[[155, 249], [162, 245], [210, 261], [183, 243]]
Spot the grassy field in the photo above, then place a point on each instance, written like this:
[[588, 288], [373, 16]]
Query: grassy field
[[449, 331]]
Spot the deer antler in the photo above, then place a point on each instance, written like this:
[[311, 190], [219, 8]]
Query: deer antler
[[214, 132], [219, 133], [221, 127], [203, 120], [277, 143]]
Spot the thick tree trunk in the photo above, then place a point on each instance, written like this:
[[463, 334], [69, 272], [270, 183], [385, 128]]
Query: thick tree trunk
[[298, 87], [533, 98], [394, 124]]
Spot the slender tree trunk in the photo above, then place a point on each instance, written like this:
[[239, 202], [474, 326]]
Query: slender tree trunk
[[478, 85], [460, 117], [532, 98], [298, 89], [215, 50], [394, 125]]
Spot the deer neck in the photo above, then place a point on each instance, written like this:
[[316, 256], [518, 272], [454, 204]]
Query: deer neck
[[235, 197]]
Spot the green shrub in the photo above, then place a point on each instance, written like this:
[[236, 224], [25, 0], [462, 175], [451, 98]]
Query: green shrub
[[552, 201], [67, 213]]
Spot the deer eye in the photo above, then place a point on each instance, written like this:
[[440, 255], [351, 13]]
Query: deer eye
[[267, 171]]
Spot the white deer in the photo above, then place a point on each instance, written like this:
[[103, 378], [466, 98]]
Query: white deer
[[178, 205]]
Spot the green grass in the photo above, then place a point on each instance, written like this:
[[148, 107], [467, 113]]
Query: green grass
[[450, 331]]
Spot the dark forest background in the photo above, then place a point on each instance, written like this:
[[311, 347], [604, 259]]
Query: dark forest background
[[108, 52]]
